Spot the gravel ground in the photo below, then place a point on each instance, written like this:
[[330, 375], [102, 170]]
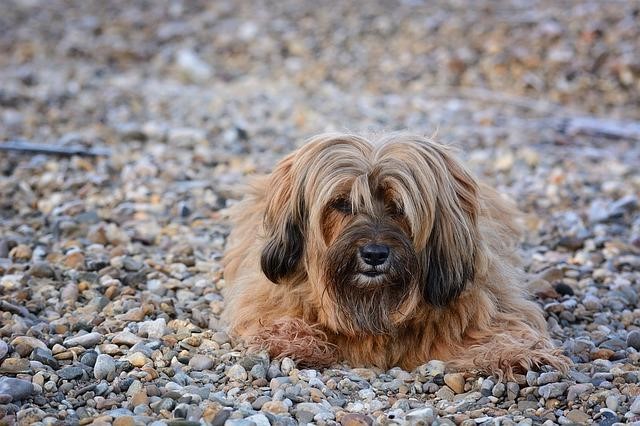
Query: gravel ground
[[110, 266]]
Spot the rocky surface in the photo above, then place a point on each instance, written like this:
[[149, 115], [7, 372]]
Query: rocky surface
[[110, 272]]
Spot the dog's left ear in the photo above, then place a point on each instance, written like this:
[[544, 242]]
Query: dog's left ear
[[283, 224], [453, 245]]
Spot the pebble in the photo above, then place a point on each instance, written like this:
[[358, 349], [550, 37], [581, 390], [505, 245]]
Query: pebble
[[137, 359], [15, 366], [275, 407], [89, 358], [553, 390], [455, 381], [201, 362], [4, 349], [24, 345], [487, 387], [633, 339], [237, 372], [17, 389], [153, 329], [45, 357], [87, 340], [104, 367], [126, 337], [70, 373]]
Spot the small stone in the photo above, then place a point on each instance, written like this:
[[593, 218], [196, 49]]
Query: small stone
[[578, 417], [612, 402], [28, 416], [45, 356], [455, 381], [635, 406], [41, 270], [258, 420], [17, 389], [487, 387], [512, 391], [424, 416], [237, 372], [20, 253], [633, 339], [153, 329], [15, 366], [550, 377], [275, 407], [433, 368], [87, 340], [201, 362], [306, 411], [125, 337], [137, 359], [4, 349], [553, 390], [89, 358], [74, 260], [498, 390], [24, 345], [70, 373], [287, 365], [104, 367], [220, 337], [258, 372], [445, 393], [356, 419], [193, 68], [124, 421]]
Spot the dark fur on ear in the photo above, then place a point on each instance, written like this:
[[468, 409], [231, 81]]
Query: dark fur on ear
[[281, 254], [283, 224], [454, 243], [445, 276]]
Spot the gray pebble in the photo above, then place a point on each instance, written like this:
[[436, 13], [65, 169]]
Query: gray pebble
[[487, 387], [4, 349], [87, 340], [499, 390], [201, 362], [44, 356], [89, 358], [553, 390], [633, 339], [550, 377], [104, 367], [17, 389]]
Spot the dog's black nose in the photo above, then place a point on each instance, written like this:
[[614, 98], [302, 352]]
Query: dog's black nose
[[374, 254]]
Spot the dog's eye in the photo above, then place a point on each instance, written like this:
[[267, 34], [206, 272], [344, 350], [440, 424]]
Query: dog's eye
[[395, 210], [342, 205]]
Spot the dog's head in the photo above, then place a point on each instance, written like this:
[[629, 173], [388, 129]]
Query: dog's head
[[381, 228]]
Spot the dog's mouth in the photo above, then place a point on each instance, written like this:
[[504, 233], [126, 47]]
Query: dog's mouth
[[372, 273]]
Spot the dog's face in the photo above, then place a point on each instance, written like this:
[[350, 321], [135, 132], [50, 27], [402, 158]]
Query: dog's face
[[379, 230]]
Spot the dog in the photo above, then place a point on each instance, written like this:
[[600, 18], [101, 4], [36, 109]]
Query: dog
[[385, 253]]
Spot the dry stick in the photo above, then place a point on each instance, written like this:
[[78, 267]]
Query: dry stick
[[38, 148], [19, 310]]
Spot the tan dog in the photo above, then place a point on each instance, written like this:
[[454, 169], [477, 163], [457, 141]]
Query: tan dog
[[381, 253]]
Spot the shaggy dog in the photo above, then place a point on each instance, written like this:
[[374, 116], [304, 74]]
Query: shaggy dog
[[385, 253]]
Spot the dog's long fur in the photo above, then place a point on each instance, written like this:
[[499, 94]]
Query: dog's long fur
[[452, 288]]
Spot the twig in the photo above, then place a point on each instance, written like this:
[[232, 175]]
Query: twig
[[38, 148], [593, 126], [19, 310]]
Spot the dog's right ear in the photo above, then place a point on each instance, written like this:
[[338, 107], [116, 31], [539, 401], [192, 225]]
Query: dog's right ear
[[283, 223]]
